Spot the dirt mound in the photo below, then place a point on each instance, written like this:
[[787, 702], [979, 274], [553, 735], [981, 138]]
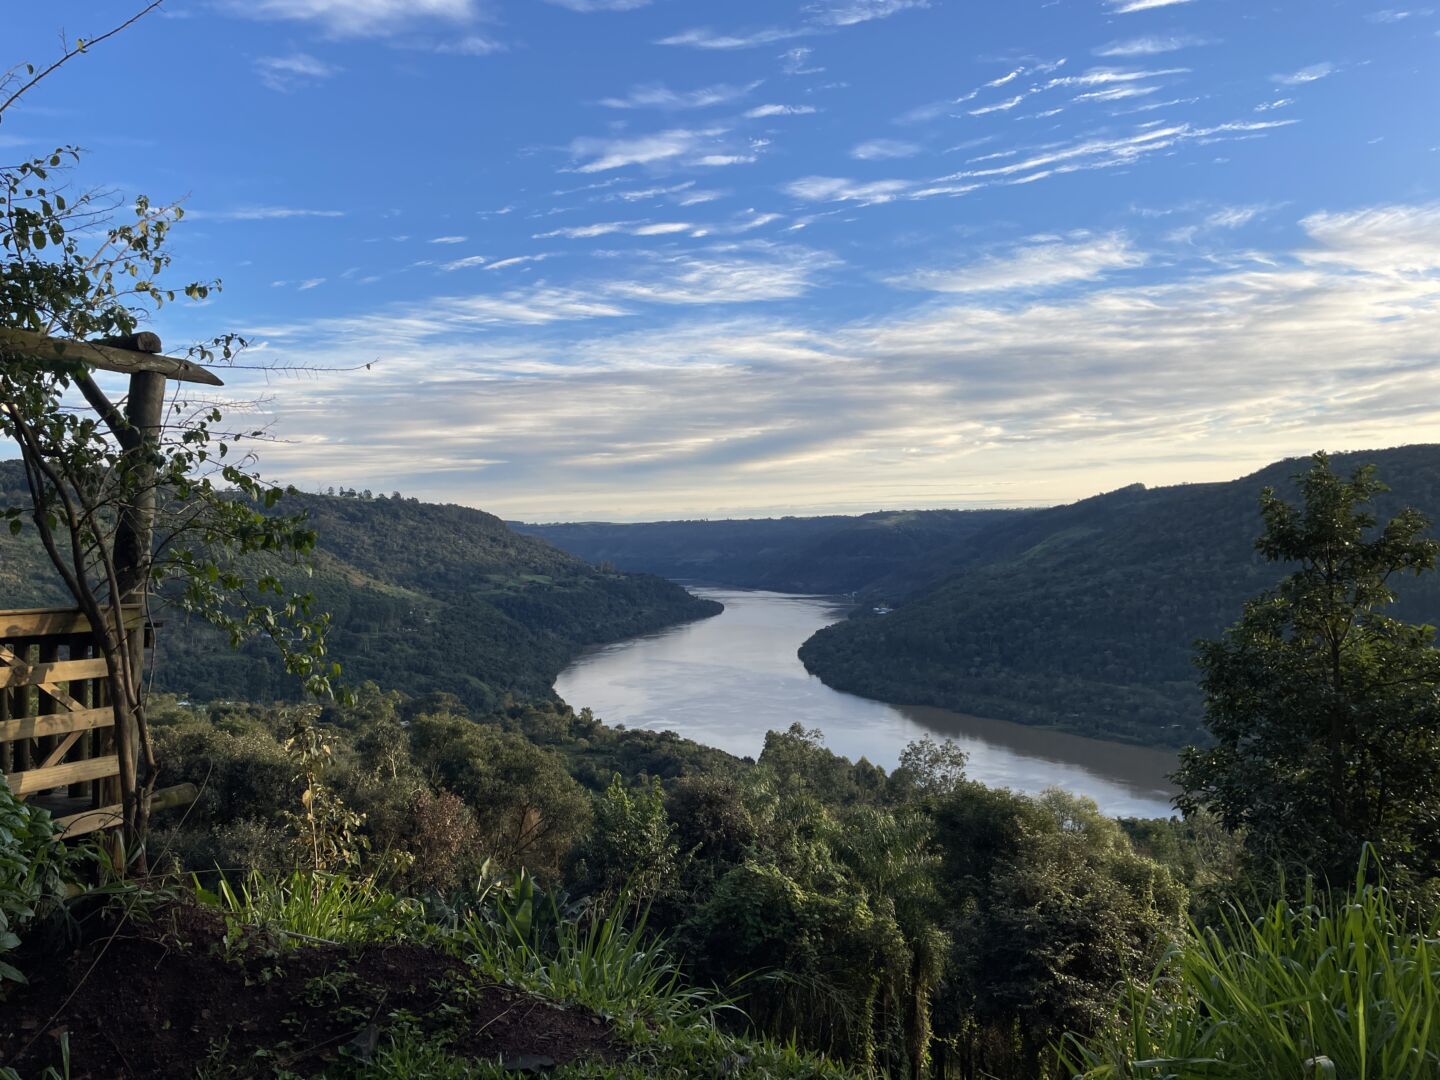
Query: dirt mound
[[175, 994]]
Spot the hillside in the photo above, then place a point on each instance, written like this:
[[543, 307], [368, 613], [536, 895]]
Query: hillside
[[424, 597], [889, 553], [1084, 616]]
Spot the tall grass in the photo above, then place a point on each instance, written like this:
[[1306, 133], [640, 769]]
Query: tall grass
[[1341, 987], [317, 907], [598, 959]]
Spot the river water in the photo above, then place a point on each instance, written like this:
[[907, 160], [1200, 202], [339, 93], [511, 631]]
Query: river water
[[725, 681]]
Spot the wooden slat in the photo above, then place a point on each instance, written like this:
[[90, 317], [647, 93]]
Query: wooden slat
[[60, 671], [49, 622], [34, 727], [89, 820], [33, 780], [42, 348], [105, 817]]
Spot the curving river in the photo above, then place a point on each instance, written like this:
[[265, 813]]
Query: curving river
[[725, 681]]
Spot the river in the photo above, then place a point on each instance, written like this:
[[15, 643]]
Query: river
[[727, 680]]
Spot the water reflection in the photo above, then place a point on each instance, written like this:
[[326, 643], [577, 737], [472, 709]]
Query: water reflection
[[727, 680]]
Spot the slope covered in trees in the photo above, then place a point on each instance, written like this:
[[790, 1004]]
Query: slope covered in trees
[[1084, 616], [424, 597], [889, 552]]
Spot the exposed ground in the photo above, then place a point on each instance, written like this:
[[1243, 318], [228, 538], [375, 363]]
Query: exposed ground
[[173, 996]]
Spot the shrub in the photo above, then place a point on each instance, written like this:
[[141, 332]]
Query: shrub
[[1337, 986], [34, 870]]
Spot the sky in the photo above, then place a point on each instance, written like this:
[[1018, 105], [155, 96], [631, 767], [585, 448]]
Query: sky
[[637, 259]]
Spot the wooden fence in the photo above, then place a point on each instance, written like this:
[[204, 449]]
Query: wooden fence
[[57, 741]]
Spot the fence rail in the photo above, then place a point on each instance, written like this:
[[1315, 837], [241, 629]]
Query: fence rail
[[57, 744]]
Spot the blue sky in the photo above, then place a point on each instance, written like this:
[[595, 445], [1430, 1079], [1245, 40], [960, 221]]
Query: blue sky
[[657, 258]]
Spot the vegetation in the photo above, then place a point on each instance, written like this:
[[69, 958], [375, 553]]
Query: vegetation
[[420, 597], [1084, 617], [1323, 708], [1344, 985], [34, 873], [889, 553]]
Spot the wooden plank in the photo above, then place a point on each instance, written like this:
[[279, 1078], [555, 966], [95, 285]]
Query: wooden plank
[[105, 817], [34, 727], [88, 821], [33, 780], [48, 622], [42, 348], [60, 671]]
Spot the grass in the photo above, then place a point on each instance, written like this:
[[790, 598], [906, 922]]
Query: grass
[[332, 908], [1339, 987]]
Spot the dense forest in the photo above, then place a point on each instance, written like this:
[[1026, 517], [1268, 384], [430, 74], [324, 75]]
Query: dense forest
[[1085, 616], [888, 553], [423, 597]]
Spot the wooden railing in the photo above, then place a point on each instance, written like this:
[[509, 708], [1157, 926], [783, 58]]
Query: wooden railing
[[57, 744]]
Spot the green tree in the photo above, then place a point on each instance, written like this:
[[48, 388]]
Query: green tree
[[631, 844], [1326, 711]]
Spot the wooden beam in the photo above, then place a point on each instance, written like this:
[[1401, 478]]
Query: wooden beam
[[106, 817], [47, 622], [59, 671], [34, 727], [33, 780], [125, 361]]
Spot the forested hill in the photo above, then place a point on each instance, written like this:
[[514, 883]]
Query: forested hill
[[425, 598], [889, 553], [1084, 616]]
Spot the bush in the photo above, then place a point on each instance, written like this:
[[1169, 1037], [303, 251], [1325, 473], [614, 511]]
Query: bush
[[34, 870], [1336, 986]]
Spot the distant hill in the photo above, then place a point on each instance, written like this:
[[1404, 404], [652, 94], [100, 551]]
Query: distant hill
[[889, 553], [424, 597], [1084, 616]]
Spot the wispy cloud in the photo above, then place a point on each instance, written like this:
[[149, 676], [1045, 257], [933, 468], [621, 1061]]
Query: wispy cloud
[[287, 73], [884, 149], [659, 96], [703, 37], [357, 18], [796, 61], [262, 213], [851, 12], [760, 112], [589, 6], [1395, 15], [1032, 267], [472, 45], [1151, 45], [609, 228], [1313, 73], [1059, 394], [1125, 7], [449, 239], [604, 154]]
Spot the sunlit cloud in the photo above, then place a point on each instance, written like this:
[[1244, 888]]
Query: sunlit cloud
[[357, 18]]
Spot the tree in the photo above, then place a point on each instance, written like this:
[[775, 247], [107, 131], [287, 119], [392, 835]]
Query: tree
[[128, 495], [1326, 711]]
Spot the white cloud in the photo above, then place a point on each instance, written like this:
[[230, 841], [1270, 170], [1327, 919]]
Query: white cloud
[[464, 264], [1203, 375], [1395, 15], [851, 12], [1152, 45], [659, 96], [1383, 239], [1124, 7], [884, 149], [472, 45], [704, 38], [760, 112], [721, 160], [609, 228], [287, 73], [797, 62], [357, 18], [588, 6], [1313, 73], [261, 213], [838, 189], [616, 153], [449, 240], [1032, 267], [727, 276], [310, 283]]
